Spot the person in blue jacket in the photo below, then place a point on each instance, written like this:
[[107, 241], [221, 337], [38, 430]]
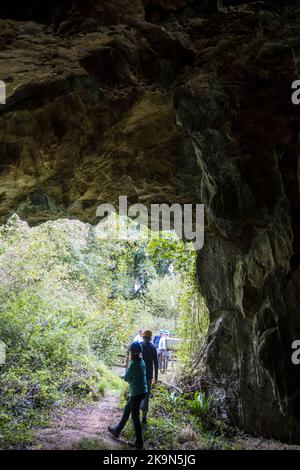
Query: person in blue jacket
[[136, 377]]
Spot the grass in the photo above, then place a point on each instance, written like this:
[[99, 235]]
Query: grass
[[109, 380], [87, 443], [19, 433]]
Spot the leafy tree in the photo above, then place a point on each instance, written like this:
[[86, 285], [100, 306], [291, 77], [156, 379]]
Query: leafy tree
[[162, 297]]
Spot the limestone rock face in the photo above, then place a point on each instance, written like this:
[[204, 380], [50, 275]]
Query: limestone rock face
[[174, 101]]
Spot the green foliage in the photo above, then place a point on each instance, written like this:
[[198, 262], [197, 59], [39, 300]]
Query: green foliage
[[193, 324], [92, 444], [171, 398], [200, 405], [56, 323], [70, 303], [168, 401], [170, 252], [179, 421], [160, 433], [162, 297]]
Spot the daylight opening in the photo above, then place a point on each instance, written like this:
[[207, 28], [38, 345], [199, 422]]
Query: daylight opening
[[73, 298]]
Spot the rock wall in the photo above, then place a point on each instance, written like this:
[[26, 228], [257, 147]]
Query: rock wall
[[174, 101]]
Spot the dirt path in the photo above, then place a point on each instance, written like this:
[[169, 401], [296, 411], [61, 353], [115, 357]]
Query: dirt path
[[82, 427], [85, 427]]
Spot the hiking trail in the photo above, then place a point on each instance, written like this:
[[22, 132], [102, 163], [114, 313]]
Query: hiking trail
[[77, 425]]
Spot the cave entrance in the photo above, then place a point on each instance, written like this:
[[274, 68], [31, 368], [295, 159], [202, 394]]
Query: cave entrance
[[73, 299]]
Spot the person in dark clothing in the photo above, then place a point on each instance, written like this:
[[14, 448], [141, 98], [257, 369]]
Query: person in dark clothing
[[150, 357], [136, 376]]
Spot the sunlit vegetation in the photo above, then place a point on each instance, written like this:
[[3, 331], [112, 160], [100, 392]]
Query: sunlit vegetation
[[70, 302]]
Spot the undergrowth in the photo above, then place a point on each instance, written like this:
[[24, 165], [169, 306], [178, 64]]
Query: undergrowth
[[182, 421], [29, 397]]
